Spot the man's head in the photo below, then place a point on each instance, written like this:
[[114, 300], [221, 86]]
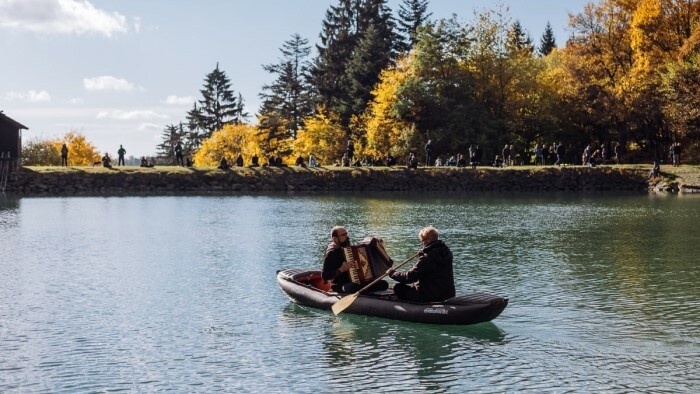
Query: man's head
[[340, 236], [428, 235]]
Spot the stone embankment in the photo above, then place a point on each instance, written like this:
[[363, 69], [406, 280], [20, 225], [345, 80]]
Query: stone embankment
[[330, 179]]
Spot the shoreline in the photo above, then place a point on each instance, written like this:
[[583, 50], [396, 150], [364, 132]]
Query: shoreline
[[43, 181]]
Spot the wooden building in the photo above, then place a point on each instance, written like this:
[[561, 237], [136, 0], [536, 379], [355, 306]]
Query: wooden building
[[10, 141]]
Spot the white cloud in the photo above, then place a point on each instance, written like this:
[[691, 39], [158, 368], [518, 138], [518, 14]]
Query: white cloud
[[60, 16], [31, 96], [131, 115], [75, 101], [137, 24], [150, 126], [107, 82], [175, 100]]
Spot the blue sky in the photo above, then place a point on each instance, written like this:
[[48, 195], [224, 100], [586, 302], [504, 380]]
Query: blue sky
[[118, 71]]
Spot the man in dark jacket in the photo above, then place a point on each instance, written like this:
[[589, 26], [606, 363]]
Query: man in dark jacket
[[431, 278], [335, 268]]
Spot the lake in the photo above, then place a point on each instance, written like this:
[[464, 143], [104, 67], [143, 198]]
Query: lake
[[179, 293]]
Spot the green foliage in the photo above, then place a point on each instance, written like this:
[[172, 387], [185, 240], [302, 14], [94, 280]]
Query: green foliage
[[343, 86], [413, 14], [41, 152]]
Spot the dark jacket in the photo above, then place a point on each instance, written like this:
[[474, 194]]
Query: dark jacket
[[332, 260], [432, 275]]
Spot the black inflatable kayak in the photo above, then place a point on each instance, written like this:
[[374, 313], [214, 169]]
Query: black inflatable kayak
[[307, 288]]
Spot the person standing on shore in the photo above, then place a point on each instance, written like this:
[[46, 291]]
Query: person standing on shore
[[676, 153], [428, 153], [64, 156], [618, 153], [121, 152], [350, 151], [505, 154], [560, 154], [178, 154]]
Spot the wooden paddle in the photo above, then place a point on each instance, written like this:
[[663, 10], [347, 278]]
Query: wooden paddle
[[346, 301]]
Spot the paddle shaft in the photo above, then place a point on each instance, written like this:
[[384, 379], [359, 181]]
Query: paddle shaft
[[346, 301], [386, 273]]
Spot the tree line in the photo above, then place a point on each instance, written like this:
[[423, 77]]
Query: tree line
[[629, 73]]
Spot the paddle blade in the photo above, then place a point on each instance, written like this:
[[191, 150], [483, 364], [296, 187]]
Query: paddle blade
[[343, 303]]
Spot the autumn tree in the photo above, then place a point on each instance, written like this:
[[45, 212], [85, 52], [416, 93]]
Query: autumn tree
[[228, 142], [385, 131], [81, 152], [323, 137]]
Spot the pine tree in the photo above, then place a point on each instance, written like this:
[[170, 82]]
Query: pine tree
[[547, 42], [218, 106], [287, 101], [412, 15], [196, 132], [171, 135], [518, 41]]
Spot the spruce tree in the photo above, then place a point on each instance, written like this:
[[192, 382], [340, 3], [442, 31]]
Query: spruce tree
[[171, 135], [518, 41], [369, 59], [343, 28], [547, 42], [287, 101], [412, 15], [196, 132], [219, 105]]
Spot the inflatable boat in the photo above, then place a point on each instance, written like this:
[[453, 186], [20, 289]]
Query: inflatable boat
[[308, 288]]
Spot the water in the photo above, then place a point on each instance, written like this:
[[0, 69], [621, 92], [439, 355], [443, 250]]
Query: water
[[144, 294]]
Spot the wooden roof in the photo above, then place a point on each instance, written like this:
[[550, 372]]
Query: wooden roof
[[7, 120]]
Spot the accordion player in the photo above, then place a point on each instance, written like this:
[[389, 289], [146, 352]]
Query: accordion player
[[368, 260]]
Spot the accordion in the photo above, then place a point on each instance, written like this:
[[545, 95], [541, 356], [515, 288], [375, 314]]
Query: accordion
[[368, 260]]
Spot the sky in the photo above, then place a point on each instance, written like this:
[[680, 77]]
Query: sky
[[119, 71]]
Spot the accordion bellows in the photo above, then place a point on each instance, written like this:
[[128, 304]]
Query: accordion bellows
[[368, 260]]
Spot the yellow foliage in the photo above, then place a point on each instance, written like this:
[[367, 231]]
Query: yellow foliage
[[229, 142], [323, 137], [384, 132], [80, 151]]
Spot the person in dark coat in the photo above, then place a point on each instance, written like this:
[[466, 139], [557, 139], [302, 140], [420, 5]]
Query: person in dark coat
[[335, 267], [64, 156], [121, 152], [431, 278], [428, 153]]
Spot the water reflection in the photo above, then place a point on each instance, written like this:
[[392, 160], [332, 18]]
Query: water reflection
[[9, 208]]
